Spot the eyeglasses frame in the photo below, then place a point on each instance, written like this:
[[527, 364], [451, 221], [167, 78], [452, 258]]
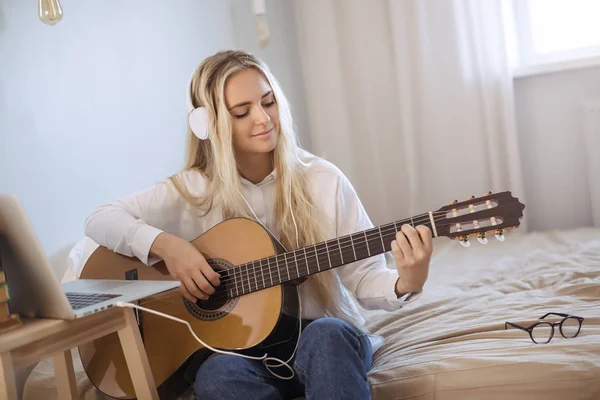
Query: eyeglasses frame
[[552, 325]]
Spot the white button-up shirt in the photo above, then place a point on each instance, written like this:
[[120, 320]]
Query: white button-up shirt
[[130, 225]]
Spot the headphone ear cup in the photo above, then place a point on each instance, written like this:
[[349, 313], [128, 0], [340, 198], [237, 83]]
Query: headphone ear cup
[[198, 120]]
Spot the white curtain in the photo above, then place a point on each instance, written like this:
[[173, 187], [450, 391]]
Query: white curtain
[[412, 99], [590, 111]]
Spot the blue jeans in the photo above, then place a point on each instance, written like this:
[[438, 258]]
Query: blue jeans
[[331, 362]]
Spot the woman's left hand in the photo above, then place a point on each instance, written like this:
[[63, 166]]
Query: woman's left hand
[[412, 250]]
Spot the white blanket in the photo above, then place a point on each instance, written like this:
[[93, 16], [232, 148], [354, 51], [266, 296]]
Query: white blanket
[[452, 342]]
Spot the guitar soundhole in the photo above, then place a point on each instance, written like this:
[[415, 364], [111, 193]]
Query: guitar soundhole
[[215, 301], [218, 304]]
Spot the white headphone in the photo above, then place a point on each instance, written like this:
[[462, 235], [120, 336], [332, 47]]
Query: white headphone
[[197, 117]]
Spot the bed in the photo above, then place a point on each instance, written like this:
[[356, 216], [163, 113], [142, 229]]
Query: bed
[[452, 342]]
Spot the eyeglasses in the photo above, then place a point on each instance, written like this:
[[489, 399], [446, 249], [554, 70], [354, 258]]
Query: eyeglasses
[[543, 331]]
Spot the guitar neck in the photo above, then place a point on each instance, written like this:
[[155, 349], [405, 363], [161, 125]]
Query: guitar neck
[[323, 256]]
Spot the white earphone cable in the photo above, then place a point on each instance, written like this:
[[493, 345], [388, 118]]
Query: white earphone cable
[[281, 362], [264, 359], [275, 362]]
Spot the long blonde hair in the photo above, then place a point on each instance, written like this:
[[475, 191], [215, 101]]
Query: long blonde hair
[[215, 159]]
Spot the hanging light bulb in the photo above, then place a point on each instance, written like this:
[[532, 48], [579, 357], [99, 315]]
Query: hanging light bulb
[[262, 24], [50, 11]]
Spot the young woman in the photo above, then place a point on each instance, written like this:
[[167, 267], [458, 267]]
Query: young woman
[[244, 160]]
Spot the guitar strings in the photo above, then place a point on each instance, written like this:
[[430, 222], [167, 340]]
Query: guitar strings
[[344, 243], [265, 359], [281, 265], [246, 272], [222, 293], [251, 267], [312, 255], [370, 235]]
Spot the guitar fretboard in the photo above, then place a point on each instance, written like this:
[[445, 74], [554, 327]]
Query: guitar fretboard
[[285, 267]]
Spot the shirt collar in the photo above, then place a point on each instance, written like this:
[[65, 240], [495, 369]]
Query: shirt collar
[[268, 179]]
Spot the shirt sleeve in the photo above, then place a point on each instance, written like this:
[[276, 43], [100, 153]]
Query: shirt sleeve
[[370, 280], [129, 225]]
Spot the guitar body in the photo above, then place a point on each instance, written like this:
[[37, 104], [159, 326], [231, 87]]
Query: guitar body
[[249, 322]]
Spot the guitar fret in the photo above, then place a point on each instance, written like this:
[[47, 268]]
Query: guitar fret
[[255, 277], [296, 261], [249, 283], [432, 222], [328, 257], [269, 267], [235, 281], [286, 265], [412, 222], [262, 272], [367, 243], [249, 272], [353, 249], [340, 246], [317, 257], [242, 278], [278, 270], [381, 236], [306, 259]]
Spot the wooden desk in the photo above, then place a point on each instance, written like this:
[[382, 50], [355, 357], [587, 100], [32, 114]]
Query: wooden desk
[[38, 339]]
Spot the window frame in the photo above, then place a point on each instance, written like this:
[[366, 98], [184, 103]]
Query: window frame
[[527, 61]]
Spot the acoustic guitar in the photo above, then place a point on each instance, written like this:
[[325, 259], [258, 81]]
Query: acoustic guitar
[[256, 305]]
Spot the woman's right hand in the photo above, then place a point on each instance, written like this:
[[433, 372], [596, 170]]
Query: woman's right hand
[[187, 265]]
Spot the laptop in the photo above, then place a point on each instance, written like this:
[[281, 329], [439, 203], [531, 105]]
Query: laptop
[[34, 289]]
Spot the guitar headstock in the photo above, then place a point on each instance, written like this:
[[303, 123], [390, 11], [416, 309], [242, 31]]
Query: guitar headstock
[[478, 216]]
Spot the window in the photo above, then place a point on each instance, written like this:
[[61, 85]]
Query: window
[[547, 31]]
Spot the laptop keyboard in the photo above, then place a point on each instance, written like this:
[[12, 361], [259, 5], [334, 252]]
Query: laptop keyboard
[[81, 300]]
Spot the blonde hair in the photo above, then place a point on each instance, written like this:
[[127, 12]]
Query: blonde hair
[[215, 159]]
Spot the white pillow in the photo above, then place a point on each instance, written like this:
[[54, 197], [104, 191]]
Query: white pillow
[[77, 258]]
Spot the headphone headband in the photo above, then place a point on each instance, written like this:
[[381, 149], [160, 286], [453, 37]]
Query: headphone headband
[[197, 117]]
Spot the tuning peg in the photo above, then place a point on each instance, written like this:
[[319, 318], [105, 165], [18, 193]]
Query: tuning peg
[[471, 197], [481, 238], [500, 235], [489, 193], [464, 240], [453, 202]]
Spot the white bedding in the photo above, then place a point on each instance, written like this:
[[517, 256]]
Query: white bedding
[[451, 343]]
